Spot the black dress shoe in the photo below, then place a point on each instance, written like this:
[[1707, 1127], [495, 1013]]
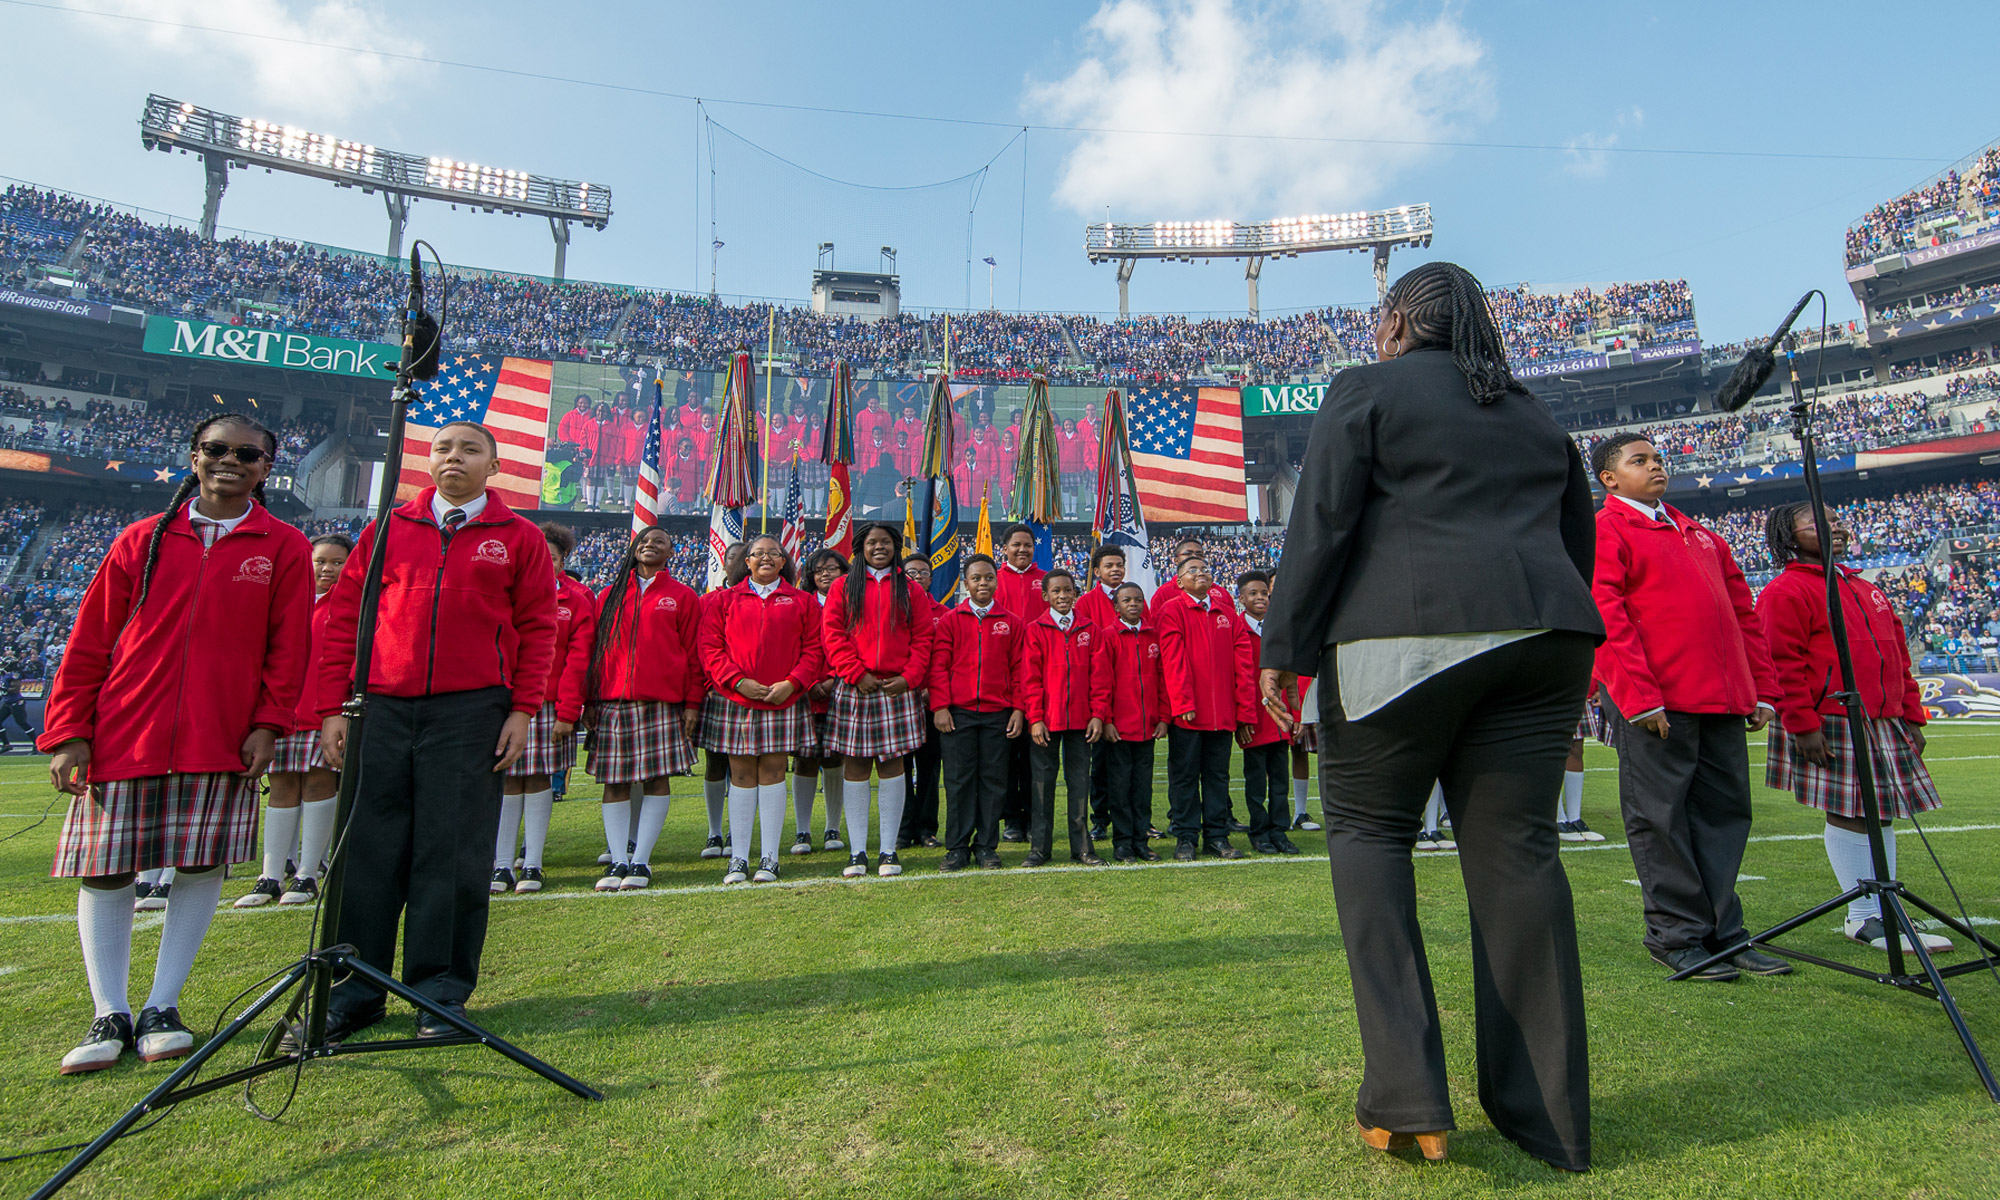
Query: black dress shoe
[[1186, 852], [1088, 858], [1238, 827], [1098, 832], [1146, 854], [989, 860], [1263, 846], [1756, 962], [1687, 956], [931, 841], [1013, 833], [1223, 849], [954, 860], [1124, 856], [430, 1025], [1283, 844], [341, 1025], [1035, 859]]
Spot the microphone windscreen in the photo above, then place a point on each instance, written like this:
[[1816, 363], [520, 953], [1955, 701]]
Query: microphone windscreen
[[424, 339], [1748, 376]]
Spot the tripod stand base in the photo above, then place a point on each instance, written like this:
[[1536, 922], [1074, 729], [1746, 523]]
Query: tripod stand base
[[1928, 980], [177, 1087]]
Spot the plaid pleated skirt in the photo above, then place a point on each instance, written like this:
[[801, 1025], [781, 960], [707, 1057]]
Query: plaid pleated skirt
[[1902, 783], [546, 753], [635, 740], [877, 726], [182, 821], [298, 753], [1591, 724], [731, 728], [822, 722]]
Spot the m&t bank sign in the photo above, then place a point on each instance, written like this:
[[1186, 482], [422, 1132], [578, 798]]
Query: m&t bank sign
[[1290, 399], [186, 338]]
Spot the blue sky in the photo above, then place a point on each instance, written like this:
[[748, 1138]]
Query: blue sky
[[1598, 82]]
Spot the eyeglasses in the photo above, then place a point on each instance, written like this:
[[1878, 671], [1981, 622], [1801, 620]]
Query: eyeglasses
[[777, 554], [215, 451]]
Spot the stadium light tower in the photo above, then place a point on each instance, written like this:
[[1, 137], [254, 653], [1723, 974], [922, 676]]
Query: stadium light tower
[[1125, 243], [224, 141]]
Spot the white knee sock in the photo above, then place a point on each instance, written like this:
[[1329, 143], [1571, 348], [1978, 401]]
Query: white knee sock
[[1298, 797], [166, 877], [508, 834], [804, 788], [617, 819], [104, 926], [1434, 811], [1847, 853], [281, 826], [652, 819], [1572, 799], [716, 792], [854, 802], [889, 796], [834, 784], [195, 896], [536, 808], [315, 835], [152, 878], [742, 819], [771, 817]]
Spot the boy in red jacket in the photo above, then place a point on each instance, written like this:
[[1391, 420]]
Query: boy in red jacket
[[1683, 668], [1133, 706], [1060, 689], [1267, 748], [975, 660], [463, 641], [1020, 593], [1098, 606], [1206, 653]]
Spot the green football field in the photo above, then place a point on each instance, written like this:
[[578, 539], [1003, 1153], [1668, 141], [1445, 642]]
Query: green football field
[[1153, 1031]]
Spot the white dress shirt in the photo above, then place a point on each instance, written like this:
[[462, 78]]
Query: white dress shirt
[[471, 508]]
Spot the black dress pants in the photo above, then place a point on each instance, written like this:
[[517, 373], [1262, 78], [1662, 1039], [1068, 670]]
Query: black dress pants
[[1067, 750], [1014, 809], [1495, 731], [1198, 784], [1267, 788], [1686, 799], [420, 849], [1128, 787], [975, 757], [1100, 783], [920, 814]]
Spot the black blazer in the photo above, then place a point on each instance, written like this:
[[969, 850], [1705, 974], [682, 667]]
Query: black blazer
[[1421, 511]]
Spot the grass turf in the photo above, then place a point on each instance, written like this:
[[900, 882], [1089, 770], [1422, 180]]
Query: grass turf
[[1159, 1031]]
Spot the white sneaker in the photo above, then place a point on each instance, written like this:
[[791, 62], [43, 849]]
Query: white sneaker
[[767, 871], [1871, 932], [261, 893], [604, 860], [161, 1035], [832, 841], [887, 866], [109, 1038], [1584, 832], [739, 871], [639, 876]]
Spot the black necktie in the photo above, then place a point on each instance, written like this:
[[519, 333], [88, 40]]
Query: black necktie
[[452, 520]]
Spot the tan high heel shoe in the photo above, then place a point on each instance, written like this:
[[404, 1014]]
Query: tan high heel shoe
[[1432, 1145]]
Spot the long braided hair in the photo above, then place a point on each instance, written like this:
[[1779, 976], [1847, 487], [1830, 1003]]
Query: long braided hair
[[1781, 533], [189, 483], [1445, 306], [857, 574], [612, 616]]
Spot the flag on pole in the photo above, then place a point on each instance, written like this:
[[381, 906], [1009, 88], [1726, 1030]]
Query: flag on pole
[[792, 534], [509, 396], [1119, 519], [982, 537], [911, 542], [1037, 484], [939, 455], [836, 449], [725, 526], [646, 496], [1187, 453], [735, 474], [942, 549]]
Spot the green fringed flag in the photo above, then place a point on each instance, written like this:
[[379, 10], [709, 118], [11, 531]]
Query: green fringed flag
[[938, 440], [732, 480], [1037, 486]]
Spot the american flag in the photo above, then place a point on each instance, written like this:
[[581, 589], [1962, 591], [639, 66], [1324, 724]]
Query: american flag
[[646, 495], [793, 532], [1187, 453], [510, 396]]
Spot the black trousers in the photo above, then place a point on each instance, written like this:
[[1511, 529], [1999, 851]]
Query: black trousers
[[1128, 786], [975, 758], [920, 812], [420, 850], [1100, 784], [1198, 783], [1495, 731], [1015, 804], [1686, 799], [1067, 750], [1267, 788]]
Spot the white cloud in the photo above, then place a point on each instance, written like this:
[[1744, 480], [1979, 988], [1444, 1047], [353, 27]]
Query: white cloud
[[1587, 157], [300, 82], [1315, 68]]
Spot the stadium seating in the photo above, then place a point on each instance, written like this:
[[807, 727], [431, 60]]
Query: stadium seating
[[1966, 200]]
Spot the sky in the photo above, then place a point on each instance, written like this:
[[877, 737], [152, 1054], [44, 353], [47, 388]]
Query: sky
[[1558, 144]]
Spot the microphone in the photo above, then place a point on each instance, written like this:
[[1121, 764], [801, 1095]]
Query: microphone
[[419, 328], [1757, 365]]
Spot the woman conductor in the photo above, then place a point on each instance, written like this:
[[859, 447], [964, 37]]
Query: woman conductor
[[1437, 583]]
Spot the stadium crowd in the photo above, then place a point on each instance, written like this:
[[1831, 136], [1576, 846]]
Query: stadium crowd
[[1893, 224]]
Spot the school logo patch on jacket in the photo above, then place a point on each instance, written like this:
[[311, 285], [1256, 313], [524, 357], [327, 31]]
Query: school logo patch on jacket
[[1083, 639], [255, 569], [1221, 621], [1152, 649], [1000, 627], [667, 603], [491, 550], [562, 612]]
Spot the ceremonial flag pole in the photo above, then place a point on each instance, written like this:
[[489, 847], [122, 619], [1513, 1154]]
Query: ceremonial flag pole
[[836, 449], [938, 442], [646, 495], [982, 538], [764, 466], [1037, 478], [732, 481], [1119, 517]]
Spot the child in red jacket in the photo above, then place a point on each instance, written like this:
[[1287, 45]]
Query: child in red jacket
[[182, 669], [1060, 693], [298, 812], [528, 798], [1267, 747], [1133, 706], [1205, 649], [646, 687], [878, 645], [975, 661], [1097, 606], [1683, 668], [463, 641], [1811, 752]]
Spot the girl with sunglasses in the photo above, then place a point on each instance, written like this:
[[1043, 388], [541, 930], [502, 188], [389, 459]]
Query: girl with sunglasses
[[185, 664]]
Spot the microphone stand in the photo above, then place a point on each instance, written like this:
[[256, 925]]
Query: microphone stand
[[301, 1037], [1894, 898]]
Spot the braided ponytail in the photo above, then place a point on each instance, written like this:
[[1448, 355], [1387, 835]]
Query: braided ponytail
[[1445, 307], [1781, 532], [188, 484], [611, 617]]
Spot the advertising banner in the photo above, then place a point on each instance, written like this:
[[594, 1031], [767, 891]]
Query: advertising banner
[[1283, 400], [58, 305], [1666, 350], [185, 337], [1537, 368]]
